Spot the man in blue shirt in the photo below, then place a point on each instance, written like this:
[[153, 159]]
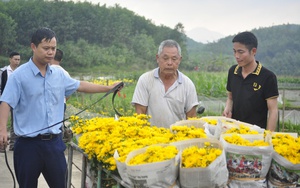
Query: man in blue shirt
[[36, 92]]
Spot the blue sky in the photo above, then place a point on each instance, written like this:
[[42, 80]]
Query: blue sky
[[227, 17]]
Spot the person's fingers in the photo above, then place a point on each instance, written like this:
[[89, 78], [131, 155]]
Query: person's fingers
[[3, 142]]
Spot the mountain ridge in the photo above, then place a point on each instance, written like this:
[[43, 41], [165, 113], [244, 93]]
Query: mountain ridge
[[204, 35]]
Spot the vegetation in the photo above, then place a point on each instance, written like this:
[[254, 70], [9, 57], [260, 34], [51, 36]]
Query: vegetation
[[90, 35], [99, 39], [289, 127]]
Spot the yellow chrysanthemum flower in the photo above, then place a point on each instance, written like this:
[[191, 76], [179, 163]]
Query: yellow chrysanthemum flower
[[154, 153], [102, 136], [194, 156], [287, 146], [239, 140]]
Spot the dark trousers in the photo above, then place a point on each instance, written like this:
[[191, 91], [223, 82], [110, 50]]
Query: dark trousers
[[33, 156]]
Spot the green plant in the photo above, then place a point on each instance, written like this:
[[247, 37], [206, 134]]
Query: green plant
[[289, 127]]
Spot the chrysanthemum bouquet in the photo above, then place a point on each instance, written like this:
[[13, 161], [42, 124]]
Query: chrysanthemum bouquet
[[195, 156]]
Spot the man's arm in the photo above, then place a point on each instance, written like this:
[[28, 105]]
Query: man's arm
[[273, 114], [140, 109], [4, 114], [228, 107], [88, 87], [192, 113]]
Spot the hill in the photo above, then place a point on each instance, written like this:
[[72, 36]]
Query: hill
[[278, 50]]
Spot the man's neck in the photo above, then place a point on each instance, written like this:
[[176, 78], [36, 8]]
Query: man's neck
[[249, 68]]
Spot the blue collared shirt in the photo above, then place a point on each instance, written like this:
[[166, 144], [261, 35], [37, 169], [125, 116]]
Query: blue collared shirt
[[38, 101]]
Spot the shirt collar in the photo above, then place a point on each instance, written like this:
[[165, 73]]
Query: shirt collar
[[238, 69], [36, 70], [9, 68], [179, 79]]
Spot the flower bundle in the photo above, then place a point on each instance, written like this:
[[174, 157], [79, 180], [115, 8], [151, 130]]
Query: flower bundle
[[195, 156], [140, 170], [203, 163], [184, 132], [242, 129], [287, 146], [211, 121], [239, 140], [248, 158], [102, 136], [154, 153]]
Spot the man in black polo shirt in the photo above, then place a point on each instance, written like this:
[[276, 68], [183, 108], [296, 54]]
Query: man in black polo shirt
[[252, 89]]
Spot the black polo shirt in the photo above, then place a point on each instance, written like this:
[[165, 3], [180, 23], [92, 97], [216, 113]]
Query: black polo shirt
[[250, 95]]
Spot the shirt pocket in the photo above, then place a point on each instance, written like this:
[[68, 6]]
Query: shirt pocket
[[56, 94]]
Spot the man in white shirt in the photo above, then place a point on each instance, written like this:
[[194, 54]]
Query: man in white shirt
[[164, 93]]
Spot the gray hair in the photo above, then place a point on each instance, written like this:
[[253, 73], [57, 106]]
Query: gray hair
[[168, 43]]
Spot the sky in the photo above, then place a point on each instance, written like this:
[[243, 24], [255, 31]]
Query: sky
[[227, 17]]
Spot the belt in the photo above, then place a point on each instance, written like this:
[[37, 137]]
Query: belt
[[47, 136], [43, 136]]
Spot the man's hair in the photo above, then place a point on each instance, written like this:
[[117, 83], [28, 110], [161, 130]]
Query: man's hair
[[247, 38], [168, 43], [12, 54], [40, 34], [58, 55]]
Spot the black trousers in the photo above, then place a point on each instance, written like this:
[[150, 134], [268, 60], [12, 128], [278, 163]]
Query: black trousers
[[35, 156]]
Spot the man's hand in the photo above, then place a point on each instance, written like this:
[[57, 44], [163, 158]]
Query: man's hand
[[3, 138], [4, 113], [117, 83], [227, 113]]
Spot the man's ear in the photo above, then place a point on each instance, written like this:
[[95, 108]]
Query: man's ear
[[254, 51], [33, 47], [157, 58]]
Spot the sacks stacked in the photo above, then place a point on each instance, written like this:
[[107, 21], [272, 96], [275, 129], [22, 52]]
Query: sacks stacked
[[180, 167], [162, 174], [247, 158]]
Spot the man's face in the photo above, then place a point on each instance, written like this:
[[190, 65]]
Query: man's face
[[169, 60], [242, 55], [15, 61], [44, 53]]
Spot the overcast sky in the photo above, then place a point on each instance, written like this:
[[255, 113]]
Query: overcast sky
[[227, 17]]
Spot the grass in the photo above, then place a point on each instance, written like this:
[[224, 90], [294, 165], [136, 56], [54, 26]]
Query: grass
[[289, 127]]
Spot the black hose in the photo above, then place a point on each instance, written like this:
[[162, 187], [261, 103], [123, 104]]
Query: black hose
[[11, 172]]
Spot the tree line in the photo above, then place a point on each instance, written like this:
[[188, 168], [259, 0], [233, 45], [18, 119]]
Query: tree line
[[97, 37], [90, 35]]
